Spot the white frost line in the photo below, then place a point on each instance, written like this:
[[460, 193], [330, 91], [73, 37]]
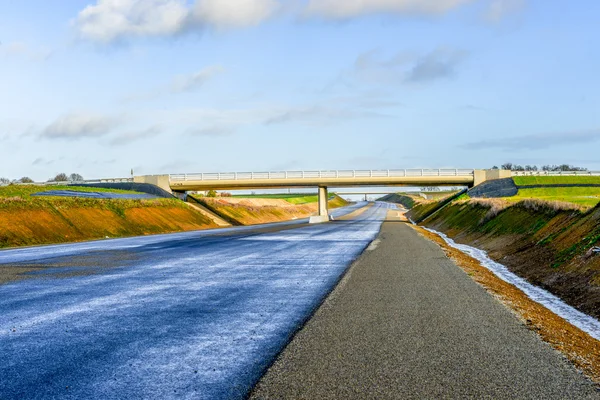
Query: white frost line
[[373, 245], [553, 303]]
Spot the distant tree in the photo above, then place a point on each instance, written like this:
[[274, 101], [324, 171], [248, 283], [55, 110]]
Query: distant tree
[[495, 167], [508, 166], [75, 177], [211, 193], [25, 179], [62, 177], [531, 168], [4, 181], [562, 167], [518, 167]]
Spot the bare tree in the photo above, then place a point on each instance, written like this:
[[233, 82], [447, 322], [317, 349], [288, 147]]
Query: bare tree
[[75, 177], [26, 179], [62, 177], [562, 167], [4, 181]]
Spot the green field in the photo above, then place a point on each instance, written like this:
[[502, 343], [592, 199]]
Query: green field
[[19, 197], [27, 190], [555, 180], [585, 196], [294, 198]]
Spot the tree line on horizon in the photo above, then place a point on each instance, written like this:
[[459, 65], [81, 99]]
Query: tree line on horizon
[[62, 177], [554, 167]]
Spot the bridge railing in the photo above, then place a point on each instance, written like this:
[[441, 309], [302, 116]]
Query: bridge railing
[[295, 175], [556, 173]]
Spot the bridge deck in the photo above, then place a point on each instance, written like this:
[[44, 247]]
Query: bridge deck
[[251, 180]]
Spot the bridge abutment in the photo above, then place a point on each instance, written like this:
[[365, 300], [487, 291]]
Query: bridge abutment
[[162, 181], [484, 175]]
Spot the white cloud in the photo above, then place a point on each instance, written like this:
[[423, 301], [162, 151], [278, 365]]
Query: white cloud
[[185, 83], [14, 48], [213, 131], [405, 67], [133, 136], [234, 13], [22, 49], [345, 9], [111, 20], [438, 64], [499, 9], [76, 126], [319, 115], [108, 21]]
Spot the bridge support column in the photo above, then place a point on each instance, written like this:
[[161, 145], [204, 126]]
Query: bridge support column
[[323, 215]]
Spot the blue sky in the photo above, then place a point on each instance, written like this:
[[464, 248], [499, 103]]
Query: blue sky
[[169, 86]]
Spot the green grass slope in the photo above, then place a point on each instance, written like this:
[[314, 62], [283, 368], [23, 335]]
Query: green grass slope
[[546, 243]]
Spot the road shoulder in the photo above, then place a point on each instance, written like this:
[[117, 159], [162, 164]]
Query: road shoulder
[[406, 322]]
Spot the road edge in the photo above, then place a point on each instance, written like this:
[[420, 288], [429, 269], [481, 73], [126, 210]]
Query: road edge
[[574, 344], [325, 302]]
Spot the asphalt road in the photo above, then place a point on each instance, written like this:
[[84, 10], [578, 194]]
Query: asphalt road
[[189, 315], [406, 323]]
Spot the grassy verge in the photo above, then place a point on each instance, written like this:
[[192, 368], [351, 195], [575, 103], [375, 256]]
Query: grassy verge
[[555, 180], [25, 191], [545, 242], [585, 196]]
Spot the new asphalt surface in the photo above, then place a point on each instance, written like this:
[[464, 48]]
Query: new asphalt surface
[[406, 323], [191, 315], [204, 314]]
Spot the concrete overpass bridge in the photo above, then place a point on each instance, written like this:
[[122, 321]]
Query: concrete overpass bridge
[[181, 183]]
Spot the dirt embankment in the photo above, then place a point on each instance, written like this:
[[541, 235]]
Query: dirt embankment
[[26, 222], [250, 211], [546, 243]]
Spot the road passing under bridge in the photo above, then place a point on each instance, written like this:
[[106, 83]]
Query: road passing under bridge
[[322, 179], [189, 315]]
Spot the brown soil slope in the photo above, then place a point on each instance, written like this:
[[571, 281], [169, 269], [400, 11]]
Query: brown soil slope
[[545, 243], [249, 211], [56, 220]]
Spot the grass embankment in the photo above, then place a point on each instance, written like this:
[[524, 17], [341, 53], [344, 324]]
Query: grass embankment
[[293, 198], [26, 220], [582, 195], [25, 191], [555, 180], [259, 210], [547, 243], [407, 200], [424, 207]]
